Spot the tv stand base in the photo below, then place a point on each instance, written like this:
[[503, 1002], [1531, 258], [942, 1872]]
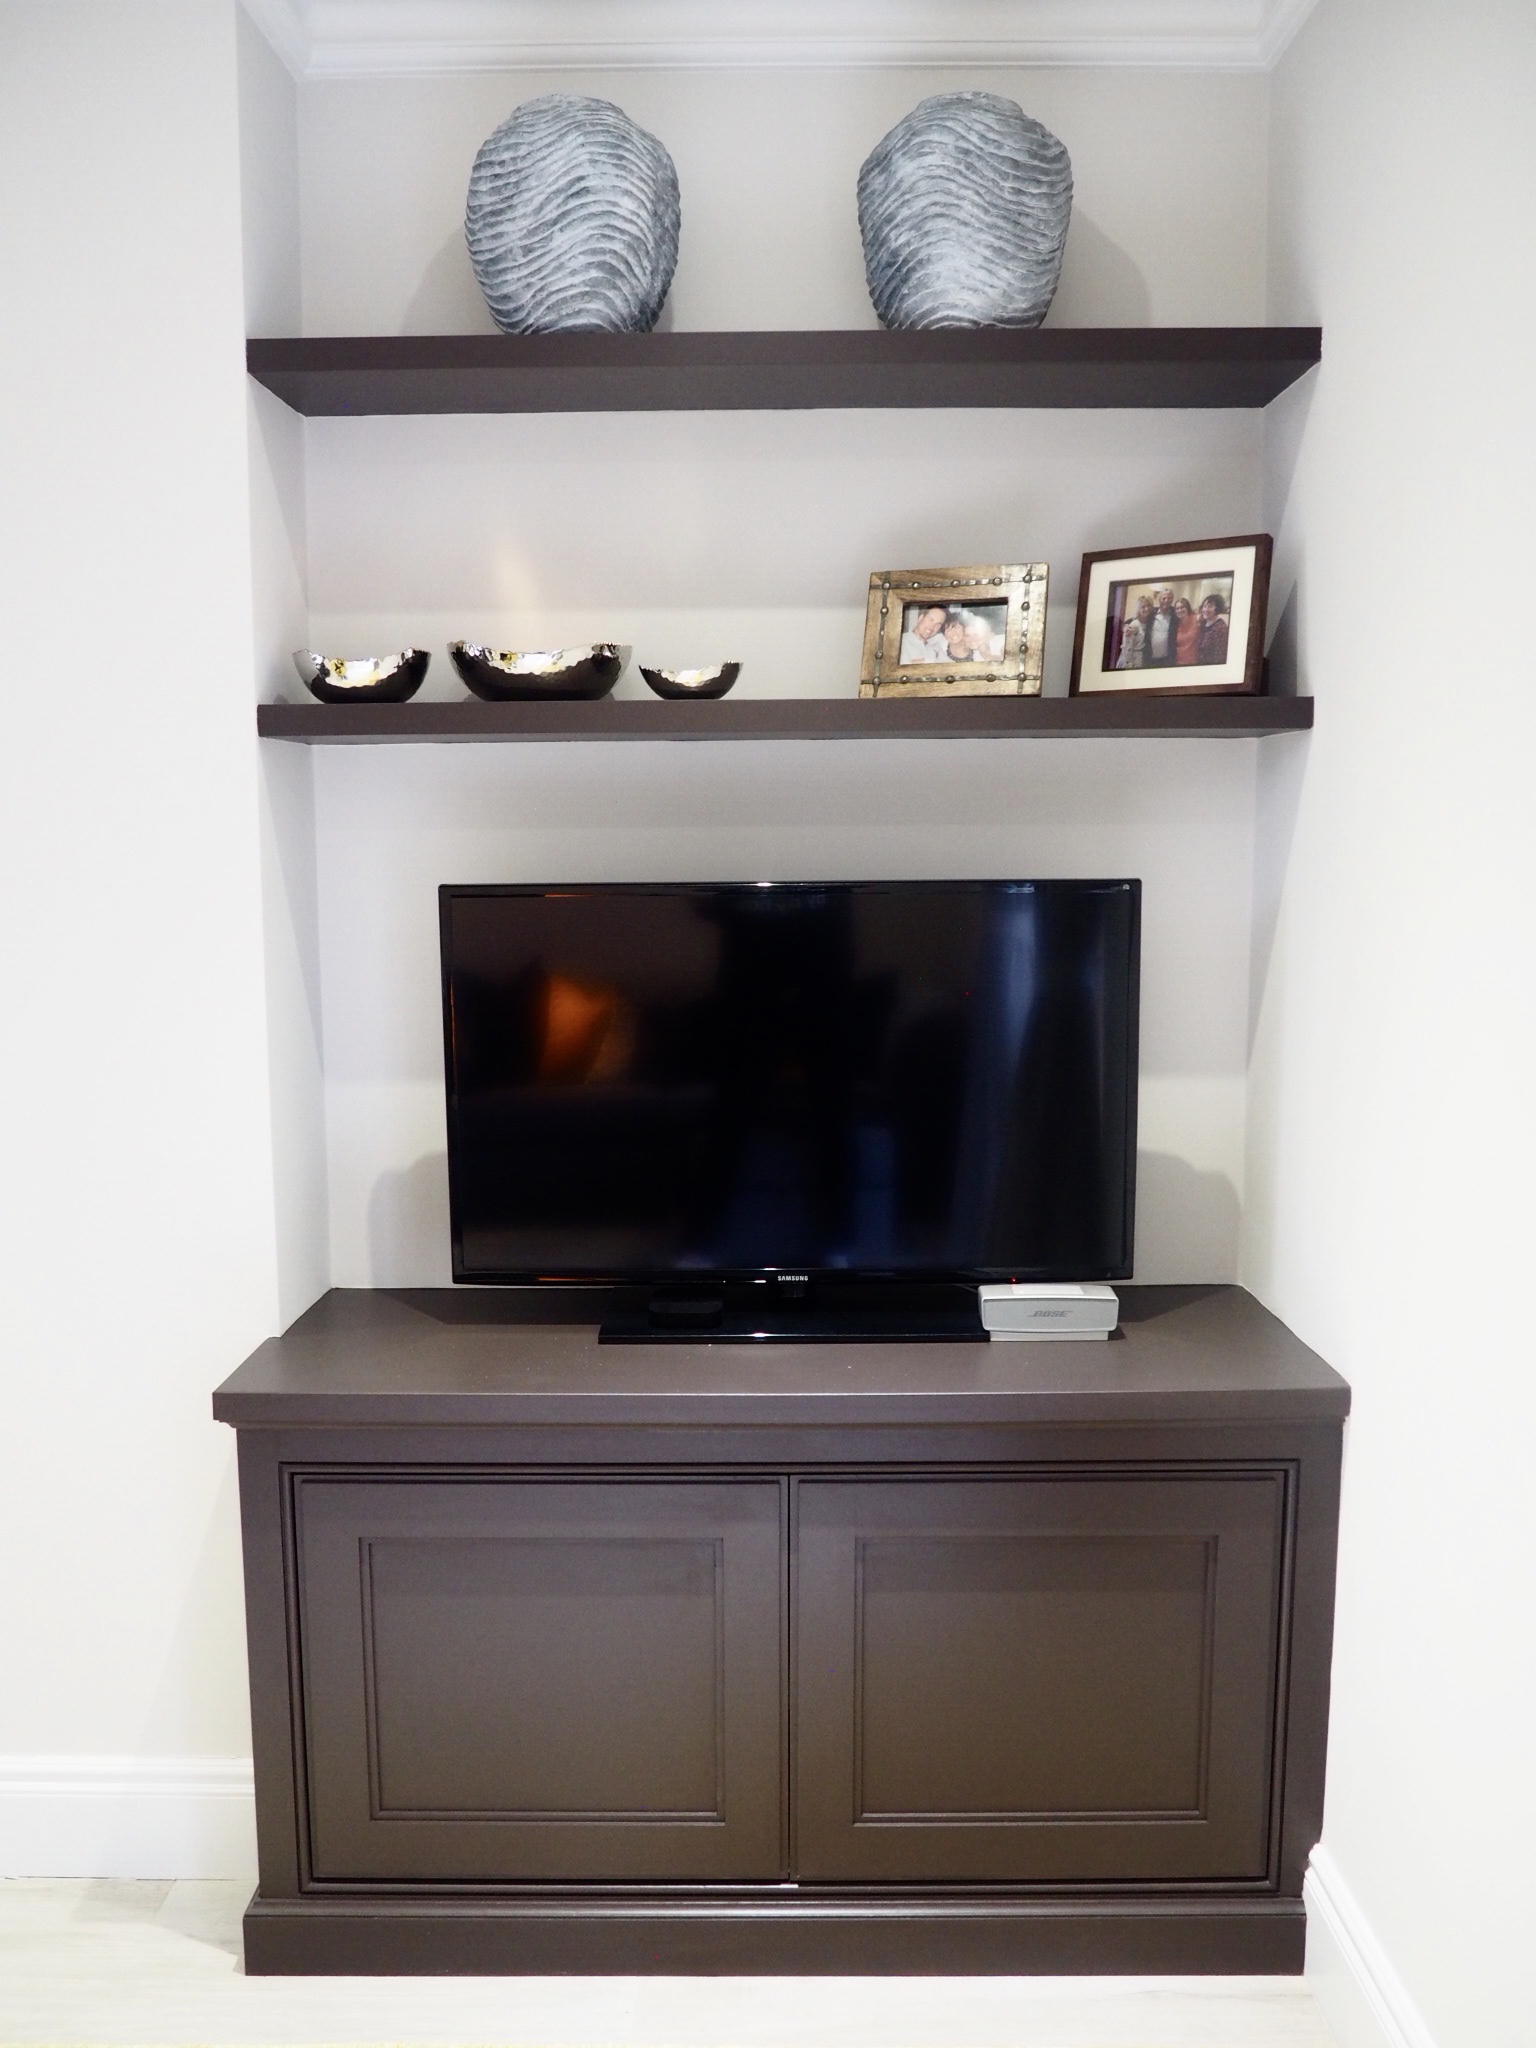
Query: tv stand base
[[778, 1930], [791, 1312]]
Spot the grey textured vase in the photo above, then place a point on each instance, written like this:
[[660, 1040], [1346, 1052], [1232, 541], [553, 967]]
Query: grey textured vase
[[572, 219], [963, 208]]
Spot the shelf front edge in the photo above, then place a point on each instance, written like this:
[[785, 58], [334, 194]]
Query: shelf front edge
[[342, 376], [778, 718]]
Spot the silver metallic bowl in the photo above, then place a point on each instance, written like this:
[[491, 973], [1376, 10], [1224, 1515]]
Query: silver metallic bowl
[[692, 682], [559, 672], [372, 679]]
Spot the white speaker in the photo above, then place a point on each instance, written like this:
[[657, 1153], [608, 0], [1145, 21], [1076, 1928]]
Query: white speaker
[[1049, 1311]]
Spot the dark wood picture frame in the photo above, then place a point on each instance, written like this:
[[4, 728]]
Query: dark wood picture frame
[[1173, 560]]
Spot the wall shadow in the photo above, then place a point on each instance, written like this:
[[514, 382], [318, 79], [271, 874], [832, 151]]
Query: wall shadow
[[1285, 432], [1282, 663], [1188, 1223], [1101, 284], [1283, 759], [1281, 777], [408, 1226], [447, 299]]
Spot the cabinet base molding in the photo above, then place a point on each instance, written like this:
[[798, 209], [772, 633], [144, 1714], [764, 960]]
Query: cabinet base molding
[[773, 1932]]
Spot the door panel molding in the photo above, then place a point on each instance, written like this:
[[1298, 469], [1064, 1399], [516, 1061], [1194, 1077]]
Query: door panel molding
[[975, 1654], [522, 1681]]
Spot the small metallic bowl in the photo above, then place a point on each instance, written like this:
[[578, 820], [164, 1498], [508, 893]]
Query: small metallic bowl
[[375, 679], [561, 672], [692, 682]]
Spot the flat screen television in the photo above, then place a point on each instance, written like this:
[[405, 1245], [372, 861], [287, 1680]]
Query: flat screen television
[[783, 1108]]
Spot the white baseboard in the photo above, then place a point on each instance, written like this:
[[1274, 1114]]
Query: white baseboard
[[1362, 1997], [127, 1816]]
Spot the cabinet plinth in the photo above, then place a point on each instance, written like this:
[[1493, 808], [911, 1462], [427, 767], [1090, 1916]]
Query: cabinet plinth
[[813, 1658]]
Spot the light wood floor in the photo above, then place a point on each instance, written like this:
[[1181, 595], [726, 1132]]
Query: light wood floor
[[117, 1962]]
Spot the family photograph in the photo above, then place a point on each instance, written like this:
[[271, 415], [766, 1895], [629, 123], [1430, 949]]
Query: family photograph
[[1183, 622], [952, 632]]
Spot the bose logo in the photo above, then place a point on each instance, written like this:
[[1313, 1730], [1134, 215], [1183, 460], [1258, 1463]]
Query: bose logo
[[1049, 1312]]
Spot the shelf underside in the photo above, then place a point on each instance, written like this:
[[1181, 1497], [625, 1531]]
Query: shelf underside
[[792, 370], [792, 718]]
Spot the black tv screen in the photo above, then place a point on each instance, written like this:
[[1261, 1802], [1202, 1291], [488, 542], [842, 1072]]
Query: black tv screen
[[920, 1080]]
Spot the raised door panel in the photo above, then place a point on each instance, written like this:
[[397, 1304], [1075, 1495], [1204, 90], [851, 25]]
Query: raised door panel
[[516, 1680], [1065, 1680]]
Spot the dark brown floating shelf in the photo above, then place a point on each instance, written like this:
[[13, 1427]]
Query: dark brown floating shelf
[[793, 370], [792, 718]]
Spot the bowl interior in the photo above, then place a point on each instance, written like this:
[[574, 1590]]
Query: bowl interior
[[693, 682], [355, 672], [547, 661]]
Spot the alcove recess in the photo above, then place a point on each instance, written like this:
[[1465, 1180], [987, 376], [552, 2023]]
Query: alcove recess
[[1224, 368]]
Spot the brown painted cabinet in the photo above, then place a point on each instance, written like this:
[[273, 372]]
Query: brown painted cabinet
[[512, 1680], [696, 1657], [1062, 1679]]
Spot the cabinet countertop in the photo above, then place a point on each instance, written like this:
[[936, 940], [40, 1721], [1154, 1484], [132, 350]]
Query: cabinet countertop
[[402, 1357]]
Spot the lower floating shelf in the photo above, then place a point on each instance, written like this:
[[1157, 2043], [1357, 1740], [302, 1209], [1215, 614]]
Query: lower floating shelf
[[791, 718]]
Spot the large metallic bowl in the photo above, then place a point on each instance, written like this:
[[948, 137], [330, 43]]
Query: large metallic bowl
[[559, 672], [372, 679], [692, 682]]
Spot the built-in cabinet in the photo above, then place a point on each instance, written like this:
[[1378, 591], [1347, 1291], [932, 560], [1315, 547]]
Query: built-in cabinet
[[932, 1656], [911, 1658]]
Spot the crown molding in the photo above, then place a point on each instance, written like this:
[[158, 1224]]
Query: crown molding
[[401, 38], [279, 21], [1283, 19]]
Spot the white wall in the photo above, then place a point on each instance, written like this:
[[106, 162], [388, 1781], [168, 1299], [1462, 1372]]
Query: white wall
[[137, 1182], [672, 530], [1167, 224], [1389, 1209], [188, 915], [705, 536], [700, 537], [269, 191], [395, 822]]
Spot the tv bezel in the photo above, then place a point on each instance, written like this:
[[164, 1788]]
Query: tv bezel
[[817, 1276]]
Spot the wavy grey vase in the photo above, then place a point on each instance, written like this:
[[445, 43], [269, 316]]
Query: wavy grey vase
[[963, 208], [572, 219]]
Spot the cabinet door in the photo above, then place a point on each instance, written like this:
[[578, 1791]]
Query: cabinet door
[[511, 1679], [1062, 1679]]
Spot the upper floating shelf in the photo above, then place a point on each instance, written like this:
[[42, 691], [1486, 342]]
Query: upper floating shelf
[[792, 718], [793, 370]]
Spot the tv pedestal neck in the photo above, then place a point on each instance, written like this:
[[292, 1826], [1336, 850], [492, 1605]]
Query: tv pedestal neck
[[888, 1656]]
